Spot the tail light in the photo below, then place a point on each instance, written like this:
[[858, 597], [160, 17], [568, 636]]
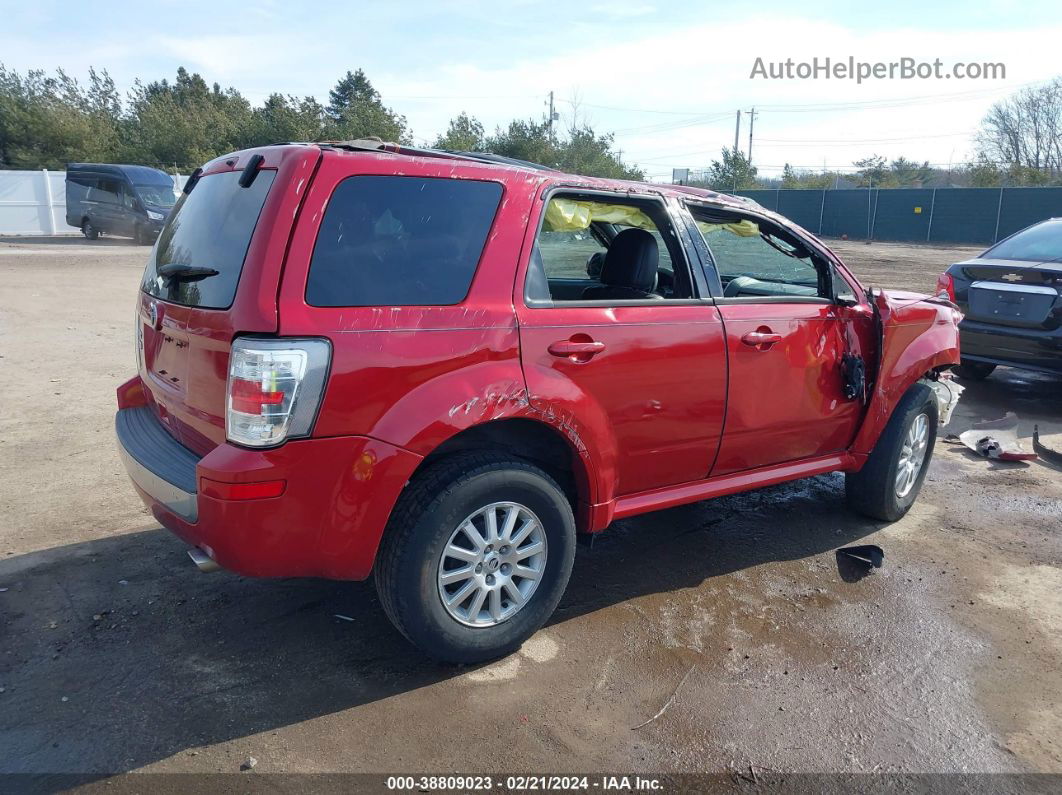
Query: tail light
[[946, 284], [274, 390]]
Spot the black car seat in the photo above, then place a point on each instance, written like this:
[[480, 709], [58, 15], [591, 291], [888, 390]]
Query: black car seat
[[629, 270]]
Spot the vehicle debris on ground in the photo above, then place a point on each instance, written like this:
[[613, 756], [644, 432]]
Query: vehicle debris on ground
[[995, 439]]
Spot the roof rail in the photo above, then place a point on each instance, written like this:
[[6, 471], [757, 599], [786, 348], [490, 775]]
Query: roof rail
[[374, 144], [490, 157], [379, 145]]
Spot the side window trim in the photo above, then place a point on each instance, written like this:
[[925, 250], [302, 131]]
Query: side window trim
[[535, 275], [705, 274]]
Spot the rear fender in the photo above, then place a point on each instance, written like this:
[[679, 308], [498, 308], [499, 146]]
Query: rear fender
[[918, 337], [480, 395]]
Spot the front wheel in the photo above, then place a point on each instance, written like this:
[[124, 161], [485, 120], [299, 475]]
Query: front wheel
[[476, 556], [89, 231], [888, 484]]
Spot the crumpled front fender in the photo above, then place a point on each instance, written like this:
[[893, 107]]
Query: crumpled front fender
[[919, 335]]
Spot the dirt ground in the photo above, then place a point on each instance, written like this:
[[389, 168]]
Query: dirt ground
[[117, 655]]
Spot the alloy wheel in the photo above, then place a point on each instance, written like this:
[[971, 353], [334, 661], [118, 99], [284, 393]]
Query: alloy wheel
[[492, 564], [912, 455]]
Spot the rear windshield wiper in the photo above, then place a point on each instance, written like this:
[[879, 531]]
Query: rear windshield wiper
[[176, 272]]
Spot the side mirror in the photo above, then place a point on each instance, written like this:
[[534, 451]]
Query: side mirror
[[846, 299]]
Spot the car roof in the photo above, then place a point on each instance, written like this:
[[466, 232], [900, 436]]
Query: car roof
[[494, 162], [136, 174]]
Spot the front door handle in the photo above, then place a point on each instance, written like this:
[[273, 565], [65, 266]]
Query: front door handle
[[576, 350], [762, 338]]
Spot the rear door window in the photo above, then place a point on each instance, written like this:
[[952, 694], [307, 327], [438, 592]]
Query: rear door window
[[576, 234], [401, 241], [211, 227]]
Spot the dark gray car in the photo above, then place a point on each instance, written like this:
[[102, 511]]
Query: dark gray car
[[115, 199], [1010, 295]]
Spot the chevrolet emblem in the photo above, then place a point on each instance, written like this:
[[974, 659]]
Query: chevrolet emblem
[[1012, 277]]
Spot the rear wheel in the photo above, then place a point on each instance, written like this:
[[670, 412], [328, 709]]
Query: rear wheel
[[974, 371], [476, 556], [888, 484], [88, 230]]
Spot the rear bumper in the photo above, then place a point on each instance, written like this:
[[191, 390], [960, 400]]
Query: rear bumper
[[337, 498], [1031, 349], [156, 462]]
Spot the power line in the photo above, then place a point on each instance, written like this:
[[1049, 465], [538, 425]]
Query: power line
[[861, 140], [695, 121], [816, 106], [956, 96], [633, 110]]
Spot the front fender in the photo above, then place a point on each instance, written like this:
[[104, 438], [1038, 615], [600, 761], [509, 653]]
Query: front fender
[[918, 337]]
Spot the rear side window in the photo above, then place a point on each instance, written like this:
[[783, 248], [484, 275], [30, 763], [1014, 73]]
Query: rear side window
[[210, 228], [401, 241]]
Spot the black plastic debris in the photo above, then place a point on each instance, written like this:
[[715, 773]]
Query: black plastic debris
[[1045, 452], [867, 554], [853, 373]]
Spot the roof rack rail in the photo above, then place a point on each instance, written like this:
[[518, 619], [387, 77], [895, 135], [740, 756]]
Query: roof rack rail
[[374, 144], [379, 145], [490, 157]]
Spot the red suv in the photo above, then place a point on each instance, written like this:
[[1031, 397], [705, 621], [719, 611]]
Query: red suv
[[437, 367]]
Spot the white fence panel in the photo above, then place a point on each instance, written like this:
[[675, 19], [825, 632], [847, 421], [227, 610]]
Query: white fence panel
[[34, 202]]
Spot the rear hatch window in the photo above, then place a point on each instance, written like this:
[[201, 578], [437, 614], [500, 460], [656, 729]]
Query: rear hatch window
[[401, 241], [208, 234], [1040, 243]]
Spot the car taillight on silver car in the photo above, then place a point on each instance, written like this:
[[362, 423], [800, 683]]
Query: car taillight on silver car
[[274, 389]]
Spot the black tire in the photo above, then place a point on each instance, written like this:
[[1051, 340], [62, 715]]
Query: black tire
[[872, 491], [974, 371], [430, 509], [89, 231]]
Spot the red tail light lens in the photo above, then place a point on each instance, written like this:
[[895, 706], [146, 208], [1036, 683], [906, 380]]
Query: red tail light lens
[[946, 284], [248, 397]]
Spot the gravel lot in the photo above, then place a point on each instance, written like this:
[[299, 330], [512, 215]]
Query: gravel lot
[[117, 655]]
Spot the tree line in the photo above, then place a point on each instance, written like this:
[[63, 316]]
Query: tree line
[[49, 120]]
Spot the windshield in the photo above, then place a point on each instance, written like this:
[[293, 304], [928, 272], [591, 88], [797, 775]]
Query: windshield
[[156, 195]]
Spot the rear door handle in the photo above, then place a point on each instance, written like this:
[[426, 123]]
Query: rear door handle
[[761, 338], [577, 351]]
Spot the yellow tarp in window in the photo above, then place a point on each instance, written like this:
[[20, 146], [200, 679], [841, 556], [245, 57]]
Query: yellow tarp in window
[[569, 215], [743, 228]]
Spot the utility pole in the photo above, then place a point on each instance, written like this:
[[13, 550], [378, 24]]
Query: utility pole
[[752, 119], [552, 115], [737, 130]]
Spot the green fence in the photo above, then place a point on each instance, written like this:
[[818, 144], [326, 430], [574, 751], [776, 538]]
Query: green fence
[[929, 215]]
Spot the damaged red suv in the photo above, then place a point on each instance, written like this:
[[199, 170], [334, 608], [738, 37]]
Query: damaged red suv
[[438, 368]]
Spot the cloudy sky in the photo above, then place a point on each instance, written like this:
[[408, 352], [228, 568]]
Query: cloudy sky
[[666, 77]]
